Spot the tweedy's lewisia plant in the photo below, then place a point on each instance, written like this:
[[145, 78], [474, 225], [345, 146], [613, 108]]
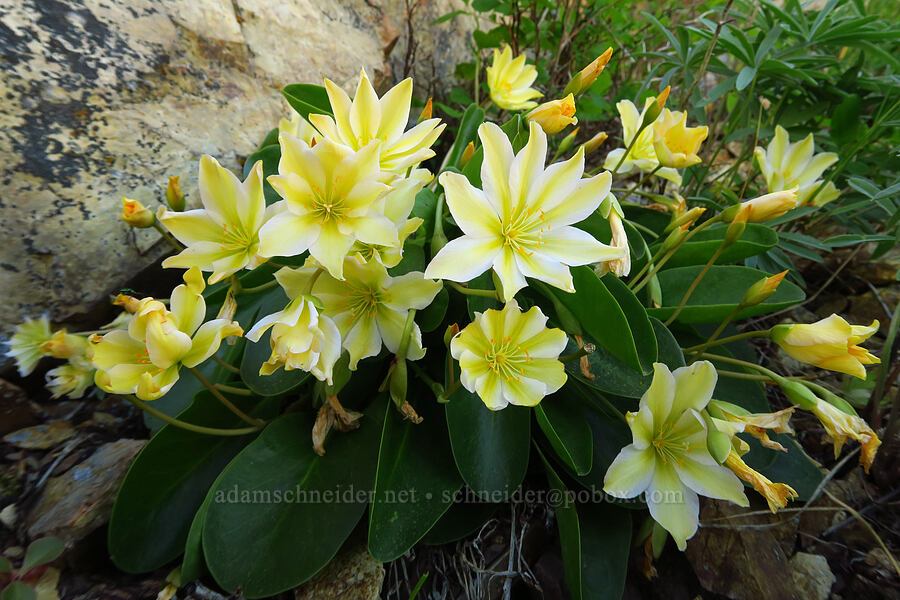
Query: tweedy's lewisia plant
[[537, 302]]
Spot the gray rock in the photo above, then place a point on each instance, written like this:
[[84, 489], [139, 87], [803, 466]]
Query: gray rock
[[812, 576], [104, 99], [77, 502]]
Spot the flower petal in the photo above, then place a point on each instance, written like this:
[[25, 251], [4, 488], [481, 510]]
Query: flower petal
[[471, 210], [694, 386], [712, 481], [675, 507], [464, 258], [630, 473]]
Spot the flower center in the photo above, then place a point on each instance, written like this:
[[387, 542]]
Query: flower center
[[363, 301], [234, 237], [518, 232], [669, 444], [507, 359]]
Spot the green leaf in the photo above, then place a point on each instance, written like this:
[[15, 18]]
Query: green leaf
[[431, 317], [447, 17], [168, 481], [595, 538], [462, 519], [415, 482], [794, 467], [256, 353], [426, 204], [270, 156], [638, 321], [467, 132], [281, 512], [670, 353], [490, 447], [306, 98], [561, 418], [40, 552], [601, 316], [756, 239], [610, 375], [718, 293], [5, 565], [193, 565], [745, 77], [18, 591]]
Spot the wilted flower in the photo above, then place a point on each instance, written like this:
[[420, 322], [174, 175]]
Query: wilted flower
[[668, 460], [642, 154], [145, 359], [510, 357], [369, 306], [831, 343], [612, 211], [777, 495], [794, 166], [223, 236], [555, 115], [71, 379], [675, 143], [301, 339], [25, 345], [756, 424], [509, 81], [64, 345], [520, 224], [329, 195], [366, 118], [841, 425]]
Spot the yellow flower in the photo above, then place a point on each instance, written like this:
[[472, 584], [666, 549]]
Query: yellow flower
[[369, 306], [366, 118], [668, 461], [64, 345], [223, 236], [71, 379], [330, 193], [611, 210], [174, 195], [794, 166], [777, 495], [675, 143], [642, 155], [509, 81], [520, 224], [144, 359], [770, 206], [301, 339], [26, 343], [841, 425], [831, 344], [136, 214], [555, 115], [510, 357], [396, 205], [300, 128], [595, 142]]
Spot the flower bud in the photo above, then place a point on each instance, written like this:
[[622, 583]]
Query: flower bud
[[398, 383], [129, 303], [426, 112], [655, 108], [136, 214], [584, 79], [467, 154], [798, 393], [674, 238], [566, 144], [450, 333], [686, 219], [594, 143], [736, 227], [764, 208], [555, 115], [174, 195], [762, 290]]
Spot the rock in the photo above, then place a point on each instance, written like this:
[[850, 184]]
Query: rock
[[9, 515], [811, 576], [742, 563], [15, 410], [77, 502], [104, 99], [351, 575], [41, 437]]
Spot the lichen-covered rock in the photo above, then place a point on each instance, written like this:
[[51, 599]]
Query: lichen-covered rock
[[104, 99]]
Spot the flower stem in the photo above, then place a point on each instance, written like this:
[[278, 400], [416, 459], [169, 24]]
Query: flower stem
[[717, 332], [670, 253], [225, 365], [435, 387], [259, 288], [168, 236], [735, 361], [641, 182], [583, 351], [313, 279], [750, 376], [472, 292], [761, 333], [696, 282], [189, 426], [233, 390], [225, 401]]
